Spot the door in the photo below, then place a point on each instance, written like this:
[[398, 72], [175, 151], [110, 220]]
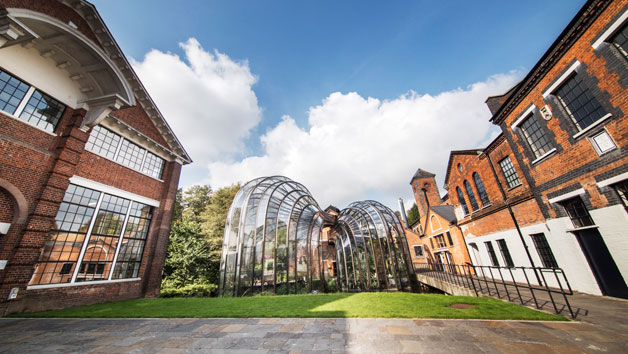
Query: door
[[602, 264]]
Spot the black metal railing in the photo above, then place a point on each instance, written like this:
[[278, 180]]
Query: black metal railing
[[527, 284]]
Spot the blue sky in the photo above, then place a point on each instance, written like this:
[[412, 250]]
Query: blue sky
[[316, 63]]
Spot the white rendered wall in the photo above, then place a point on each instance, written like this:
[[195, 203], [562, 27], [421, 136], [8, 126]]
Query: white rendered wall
[[613, 223], [564, 246], [42, 73]]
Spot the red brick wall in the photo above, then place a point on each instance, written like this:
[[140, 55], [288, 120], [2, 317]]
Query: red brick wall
[[6, 207], [97, 168], [574, 155], [138, 119]]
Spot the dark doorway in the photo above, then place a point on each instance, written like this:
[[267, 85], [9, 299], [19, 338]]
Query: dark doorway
[[602, 264]]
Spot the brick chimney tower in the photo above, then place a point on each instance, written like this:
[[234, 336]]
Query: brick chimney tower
[[423, 180]]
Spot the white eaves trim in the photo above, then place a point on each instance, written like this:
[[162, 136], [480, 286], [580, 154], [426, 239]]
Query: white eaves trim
[[84, 182], [523, 116], [562, 78], [613, 180], [611, 30], [566, 196]]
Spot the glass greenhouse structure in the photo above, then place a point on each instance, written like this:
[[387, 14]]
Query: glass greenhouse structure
[[278, 240]]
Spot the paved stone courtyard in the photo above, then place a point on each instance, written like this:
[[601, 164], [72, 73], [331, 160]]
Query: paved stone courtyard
[[289, 335]]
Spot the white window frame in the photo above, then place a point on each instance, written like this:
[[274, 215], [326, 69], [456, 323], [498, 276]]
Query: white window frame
[[422, 251], [611, 30]]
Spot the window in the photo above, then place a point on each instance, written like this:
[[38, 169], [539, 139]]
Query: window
[[578, 212], [535, 136], [103, 142], [503, 248], [130, 155], [92, 230], [418, 251], [106, 143], [481, 191], [440, 241], [29, 104], [474, 203], [465, 209], [509, 172], [491, 254], [620, 40], [451, 242], [622, 190], [432, 242], [582, 107], [544, 251]]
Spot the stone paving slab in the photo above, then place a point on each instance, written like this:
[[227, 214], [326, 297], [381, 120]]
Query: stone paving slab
[[301, 336]]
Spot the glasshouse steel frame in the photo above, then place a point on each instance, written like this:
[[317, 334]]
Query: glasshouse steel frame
[[272, 243]]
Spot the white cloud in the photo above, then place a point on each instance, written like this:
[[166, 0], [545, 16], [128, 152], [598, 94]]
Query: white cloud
[[207, 98], [357, 148]]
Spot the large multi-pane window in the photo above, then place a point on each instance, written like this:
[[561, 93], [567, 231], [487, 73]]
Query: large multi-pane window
[[440, 241], [104, 142], [474, 203], [462, 201], [132, 247], [535, 136], [91, 229], [578, 212], [583, 108], [509, 172], [544, 250], [481, 190], [491, 253], [29, 104], [503, 248], [620, 40]]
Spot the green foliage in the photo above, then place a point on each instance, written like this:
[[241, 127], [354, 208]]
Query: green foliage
[[192, 290], [196, 237], [413, 214], [187, 260], [195, 201], [213, 224]]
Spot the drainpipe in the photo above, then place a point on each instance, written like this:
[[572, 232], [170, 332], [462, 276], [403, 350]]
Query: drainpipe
[[514, 219]]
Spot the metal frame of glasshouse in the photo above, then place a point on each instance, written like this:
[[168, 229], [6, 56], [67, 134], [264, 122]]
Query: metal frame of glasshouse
[[272, 243]]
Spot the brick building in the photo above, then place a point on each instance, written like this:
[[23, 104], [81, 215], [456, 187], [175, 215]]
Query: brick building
[[551, 190], [436, 236], [88, 165]]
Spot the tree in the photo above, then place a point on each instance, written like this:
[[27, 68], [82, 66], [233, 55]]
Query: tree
[[196, 235], [195, 200], [213, 224], [413, 214], [187, 261]]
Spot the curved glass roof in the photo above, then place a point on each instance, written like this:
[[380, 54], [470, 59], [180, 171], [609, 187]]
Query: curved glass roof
[[278, 240]]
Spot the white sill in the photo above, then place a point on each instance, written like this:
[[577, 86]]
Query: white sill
[[63, 285], [513, 187], [134, 170], [545, 155], [486, 206], [582, 228], [592, 126], [9, 115]]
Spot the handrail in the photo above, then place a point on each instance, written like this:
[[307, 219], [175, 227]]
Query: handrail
[[490, 279]]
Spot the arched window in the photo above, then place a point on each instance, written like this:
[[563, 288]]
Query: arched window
[[462, 202], [474, 203], [481, 191]]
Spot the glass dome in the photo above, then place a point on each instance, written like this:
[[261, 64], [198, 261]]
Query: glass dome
[[278, 240]]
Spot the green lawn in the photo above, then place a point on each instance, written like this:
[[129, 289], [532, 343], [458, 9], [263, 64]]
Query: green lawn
[[387, 305]]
